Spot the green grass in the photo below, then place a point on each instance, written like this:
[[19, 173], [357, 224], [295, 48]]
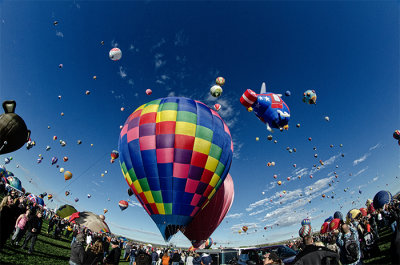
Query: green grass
[[50, 251], [385, 237]]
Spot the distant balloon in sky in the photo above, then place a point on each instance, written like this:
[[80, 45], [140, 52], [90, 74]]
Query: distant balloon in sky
[[216, 91], [310, 97], [55, 23], [123, 205], [327, 118], [13, 131], [87, 92], [65, 158], [76, 199], [94, 77], [89, 196], [268, 107], [102, 42], [79, 142], [149, 92], [60, 65], [122, 109], [396, 135], [67, 175], [165, 148], [62, 170], [217, 107], [115, 54], [220, 81], [298, 125], [54, 160], [287, 93], [59, 96]]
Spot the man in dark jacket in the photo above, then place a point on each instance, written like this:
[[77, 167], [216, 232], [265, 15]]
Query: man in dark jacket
[[315, 255], [154, 257], [34, 225], [176, 258], [142, 258], [77, 251], [115, 253]]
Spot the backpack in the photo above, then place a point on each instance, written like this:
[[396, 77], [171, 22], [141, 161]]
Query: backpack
[[369, 239], [350, 249]]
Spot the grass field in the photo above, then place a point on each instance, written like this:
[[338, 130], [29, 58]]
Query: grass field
[[50, 251]]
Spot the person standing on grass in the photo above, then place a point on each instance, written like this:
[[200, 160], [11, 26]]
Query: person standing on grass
[[7, 221], [77, 251], [94, 255], [115, 253], [34, 225], [20, 227], [132, 255]]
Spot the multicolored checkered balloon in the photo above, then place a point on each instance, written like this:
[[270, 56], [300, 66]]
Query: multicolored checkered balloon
[[174, 153]]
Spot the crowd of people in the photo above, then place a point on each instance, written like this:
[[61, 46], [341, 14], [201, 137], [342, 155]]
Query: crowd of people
[[349, 244]]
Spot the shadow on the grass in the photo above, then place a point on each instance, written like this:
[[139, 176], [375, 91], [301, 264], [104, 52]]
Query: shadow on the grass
[[53, 244]]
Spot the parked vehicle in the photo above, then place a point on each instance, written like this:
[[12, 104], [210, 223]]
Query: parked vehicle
[[255, 256], [221, 256]]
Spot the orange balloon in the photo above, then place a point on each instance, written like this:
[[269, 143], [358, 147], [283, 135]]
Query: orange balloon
[[67, 175]]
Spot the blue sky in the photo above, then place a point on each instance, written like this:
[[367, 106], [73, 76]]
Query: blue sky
[[347, 52]]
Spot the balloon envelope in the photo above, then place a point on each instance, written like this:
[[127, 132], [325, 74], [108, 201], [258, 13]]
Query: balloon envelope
[[338, 215], [175, 154], [13, 131], [14, 182], [123, 205], [65, 210], [208, 243], [306, 221], [91, 221], [381, 198], [305, 230], [334, 224], [210, 217], [324, 228]]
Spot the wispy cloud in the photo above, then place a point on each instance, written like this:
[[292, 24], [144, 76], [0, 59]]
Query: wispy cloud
[[234, 215], [122, 72], [374, 147], [133, 229], [59, 34], [133, 204], [180, 39], [158, 61], [171, 94], [361, 171], [361, 159], [130, 82], [158, 44], [114, 43], [236, 149]]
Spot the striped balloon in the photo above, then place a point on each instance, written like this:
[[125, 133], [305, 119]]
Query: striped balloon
[[305, 230], [32, 198], [174, 154], [208, 243], [306, 221]]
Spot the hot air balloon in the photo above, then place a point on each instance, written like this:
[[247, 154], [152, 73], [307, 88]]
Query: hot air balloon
[[130, 192], [65, 210], [381, 198], [114, 155], [305, 230], [76, 199], [216, 91], [65, 158], [66, 193], [324, 228], [329, 219], [288, 93], [268, 107], [279, 182], [334, 224], [209, 218], [61, 170], [60, 65], [353, 215], [306, 221], [115, 54], [90, 220], [50, 196], [48, 148], [149, 92], [396, 135], [123, 205], [13, 131], [89, 196], [338, 215], [208, 243], [363, 211], [32, 198], [175, 154], [67, 175], [217, 107], [105, 211], [368, 203], [245, 228], [220, 81], [54, 160], [310, 97]]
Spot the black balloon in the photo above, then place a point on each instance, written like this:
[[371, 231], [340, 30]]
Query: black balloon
[[130, 192], [13, 131]]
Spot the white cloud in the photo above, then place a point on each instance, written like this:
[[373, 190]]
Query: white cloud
[[133, 204], [361, 159], [59, 34], [236, 149], [180, 39], [234, 215], [114, 43], [375, 179], [158, 61], [361, 171], [374, 147], [159, 44], [122, 72], [133, 230]]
